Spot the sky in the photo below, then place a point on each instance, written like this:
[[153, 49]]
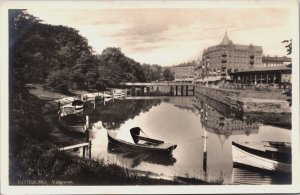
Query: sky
[[169, 36]]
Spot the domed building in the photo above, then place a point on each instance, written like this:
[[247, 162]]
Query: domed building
[[227, 57]]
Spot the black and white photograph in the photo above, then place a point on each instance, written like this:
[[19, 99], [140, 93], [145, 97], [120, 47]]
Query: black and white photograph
[[150, 97]]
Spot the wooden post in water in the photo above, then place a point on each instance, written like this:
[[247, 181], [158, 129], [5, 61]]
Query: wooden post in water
[[87, 122], [90, 148], [58, 105], [94, 101], [113, 96], [83, 151], [104, 98], [87, 135], [86, 132]]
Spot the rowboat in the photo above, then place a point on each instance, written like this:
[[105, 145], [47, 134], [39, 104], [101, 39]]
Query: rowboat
[[266, 155], [136, 157], [75, 107], [141, 143], [73, 122]]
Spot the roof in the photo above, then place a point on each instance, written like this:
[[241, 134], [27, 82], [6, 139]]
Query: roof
[[276, 59], [228, 43], [226, 40], [260, 69], [247, 47], [183, 65]]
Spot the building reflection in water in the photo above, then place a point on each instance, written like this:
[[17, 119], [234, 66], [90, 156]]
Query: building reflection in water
[[218, 123], [217, 155]]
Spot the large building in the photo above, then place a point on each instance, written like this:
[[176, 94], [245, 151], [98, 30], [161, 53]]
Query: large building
[[184, 72], [222, 59], [270, 61]]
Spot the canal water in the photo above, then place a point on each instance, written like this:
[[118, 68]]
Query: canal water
[[202, 129]]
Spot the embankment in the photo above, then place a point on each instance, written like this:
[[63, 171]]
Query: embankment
[[247, 101]]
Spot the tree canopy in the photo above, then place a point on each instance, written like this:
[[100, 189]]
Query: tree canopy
[[62, 59]]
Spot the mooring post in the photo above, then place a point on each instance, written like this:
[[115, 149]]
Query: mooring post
[[87, 134], [83, 151], [58, 105], [104, 98], [90, 148], [113, 96], [94, 101], [87, 121]]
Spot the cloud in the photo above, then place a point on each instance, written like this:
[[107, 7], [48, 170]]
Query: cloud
[[167, 35]]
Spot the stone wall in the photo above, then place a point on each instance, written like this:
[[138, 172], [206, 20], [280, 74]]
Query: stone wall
[[233, 99]]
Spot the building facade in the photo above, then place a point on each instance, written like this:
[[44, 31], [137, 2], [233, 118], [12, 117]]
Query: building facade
[[270, 61], [227, 57], [276, 75], [184, 72]]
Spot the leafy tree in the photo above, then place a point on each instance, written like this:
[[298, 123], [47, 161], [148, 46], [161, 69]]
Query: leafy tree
[[168, 75]]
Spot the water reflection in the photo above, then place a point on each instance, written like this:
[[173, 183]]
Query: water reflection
[[203, 130], [115, 113]]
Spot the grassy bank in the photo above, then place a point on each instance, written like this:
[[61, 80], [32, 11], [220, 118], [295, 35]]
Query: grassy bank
[[34, 159], [42, 165]]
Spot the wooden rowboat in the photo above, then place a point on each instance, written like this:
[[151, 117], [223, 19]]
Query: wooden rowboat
[[271, 156], [76, 107], [141, 143]]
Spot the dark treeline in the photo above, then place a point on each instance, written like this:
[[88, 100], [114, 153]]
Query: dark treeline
[[62, 59]]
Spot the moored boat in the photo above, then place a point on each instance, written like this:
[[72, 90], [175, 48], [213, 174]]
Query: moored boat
[[75, 107], [141, 143], [74, 123], [271, 156]]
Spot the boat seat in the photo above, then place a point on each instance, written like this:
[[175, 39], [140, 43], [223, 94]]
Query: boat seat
[[149, 140]]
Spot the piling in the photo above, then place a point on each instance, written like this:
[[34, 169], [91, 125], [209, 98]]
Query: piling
[[83, 151], [104, 98], [90, 148], [87, 121], [94, 101], [113, 96]]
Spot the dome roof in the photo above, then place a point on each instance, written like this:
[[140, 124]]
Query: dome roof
[[226, 40]]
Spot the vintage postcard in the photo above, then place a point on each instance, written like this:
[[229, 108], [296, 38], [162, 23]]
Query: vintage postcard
[[149, 97]]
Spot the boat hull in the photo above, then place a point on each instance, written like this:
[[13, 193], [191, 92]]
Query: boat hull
[[161, 149], [243, 157], [73, 123]]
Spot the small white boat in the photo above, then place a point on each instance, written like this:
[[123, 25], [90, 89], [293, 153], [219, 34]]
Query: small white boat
[[272, 156]]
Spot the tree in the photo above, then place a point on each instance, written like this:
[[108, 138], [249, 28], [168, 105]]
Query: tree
[[168, 75]]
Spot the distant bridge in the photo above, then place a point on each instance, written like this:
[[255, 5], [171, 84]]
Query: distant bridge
[[175, 89], [158, 84]]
